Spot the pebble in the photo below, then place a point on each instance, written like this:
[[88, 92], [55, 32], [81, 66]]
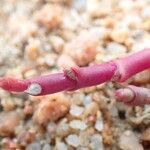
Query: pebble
[[146, 136], [96, 142], [76, 110], [99, 125], [61, 146], [120, 35], [51, 109], [85, 51], [50, 16], [129, 141], [34, 146], [73, 140], [8, 123], [63, 128], [116, 49], [26, 137], [51, 128], [57, 43], [7, 104], [65, 61], [78, 124], [87, 100], [91, 109], [32, 50], [46, 147]]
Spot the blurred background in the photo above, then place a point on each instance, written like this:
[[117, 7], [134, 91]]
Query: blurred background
[[39, 37]]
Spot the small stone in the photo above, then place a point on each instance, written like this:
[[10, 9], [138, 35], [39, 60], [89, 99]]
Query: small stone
[[91, 109], [32, 50], [61, 146], [84, 137], [65, 61], [8, 144], [96, 8], [73, 140], [50, 16], [34, 146], [46, 147], [129, 141], [7, 104], [51, 128], [85, 51], [60, 1], [78, 124], [57, 43], [8, 123], [96, 142], [82, 148], [63, 128], [79, 4], [28, 110], [87, 100], [76, 110], [146, 12], [114, 48], [146, 136], [120, 35], [99, 125], [51, 109], [26, 137]]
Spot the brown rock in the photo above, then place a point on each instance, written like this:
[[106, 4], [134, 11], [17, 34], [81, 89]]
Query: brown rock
[[50, 16], [65, 61], [28, 110], [8, 144], [8, 123], [120, 35], [83, 48], [146, 135], [57, 43], [60, 1], [26, 137], [129, 141], [32, 50], [51, 108]]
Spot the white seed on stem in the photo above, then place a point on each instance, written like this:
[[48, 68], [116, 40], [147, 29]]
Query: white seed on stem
[[34, 89]]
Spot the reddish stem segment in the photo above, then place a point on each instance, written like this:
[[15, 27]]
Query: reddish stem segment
[[133, 95], [76, 77], [133, 64]]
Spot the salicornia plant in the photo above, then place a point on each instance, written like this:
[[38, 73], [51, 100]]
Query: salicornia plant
[[79, 77]]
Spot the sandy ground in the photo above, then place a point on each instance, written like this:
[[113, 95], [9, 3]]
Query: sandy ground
[[43, 36]]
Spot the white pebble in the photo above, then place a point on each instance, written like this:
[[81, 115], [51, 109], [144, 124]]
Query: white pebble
[[73, 140], [34, 146], [99, 125], [146, 12], [76, 110], [34, 89], [46, 147], [87, 100], [61, 146], [82, 148], [115, 48], [96, 142], [77, 124]]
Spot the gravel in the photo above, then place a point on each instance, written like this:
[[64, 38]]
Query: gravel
[[40, 37]]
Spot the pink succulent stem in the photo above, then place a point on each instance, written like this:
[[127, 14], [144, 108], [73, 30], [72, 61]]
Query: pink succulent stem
[[133, 64], [76, 77], [133, 95]]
